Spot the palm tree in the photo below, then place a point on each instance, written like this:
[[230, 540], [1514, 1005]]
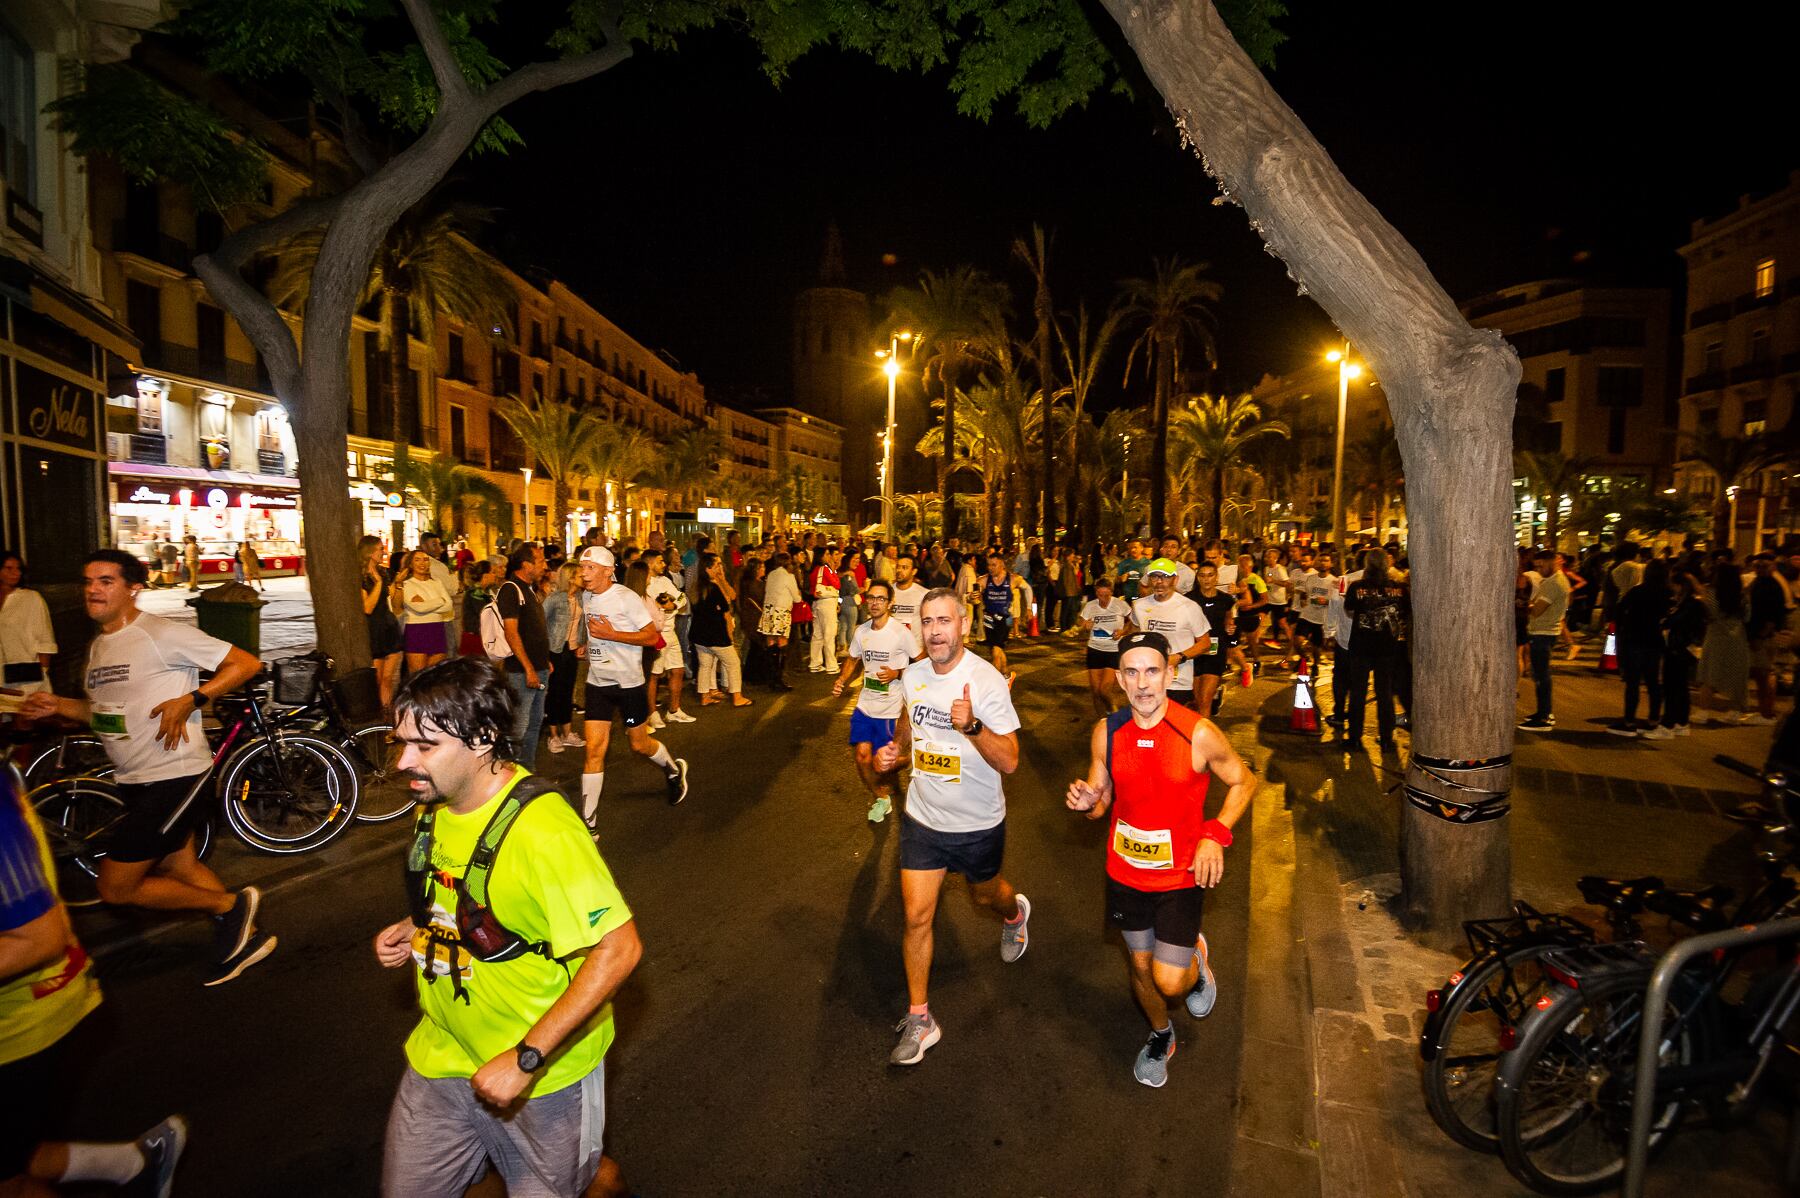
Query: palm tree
[[1171, 307], [1081, 366], [1378, 467], [958, 314], [1105, 462], [973, 452], [1551, 475], [688, 460], [425, 267], [1036, 257], [447, 488], [560, 437], [1210, 433], [1735, 462], [621, 455]]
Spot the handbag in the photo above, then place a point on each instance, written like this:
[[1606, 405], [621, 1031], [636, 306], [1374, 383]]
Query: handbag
[[801, 613]]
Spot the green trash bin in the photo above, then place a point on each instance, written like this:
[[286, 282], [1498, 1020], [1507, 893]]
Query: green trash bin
[[232, 612]]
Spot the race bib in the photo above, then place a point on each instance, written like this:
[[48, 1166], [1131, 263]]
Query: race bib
[[874, 685], [939, 761], [1145, 850], [108, 719], [447, 954]]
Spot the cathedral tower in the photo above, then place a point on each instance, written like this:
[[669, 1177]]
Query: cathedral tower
[[837, 378]]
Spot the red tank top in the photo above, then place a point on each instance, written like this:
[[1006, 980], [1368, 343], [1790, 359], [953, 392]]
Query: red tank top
[[1159, 802]]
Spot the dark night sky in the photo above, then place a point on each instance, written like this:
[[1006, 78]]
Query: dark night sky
[[687, 198]]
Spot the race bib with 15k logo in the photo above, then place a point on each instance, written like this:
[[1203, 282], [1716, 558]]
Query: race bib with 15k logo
[[942, 762]]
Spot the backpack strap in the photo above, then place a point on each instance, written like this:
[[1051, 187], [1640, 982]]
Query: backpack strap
[[481, 862]]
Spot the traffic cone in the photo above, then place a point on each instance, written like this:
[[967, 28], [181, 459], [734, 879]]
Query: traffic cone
[[1244, 678], [1305, 716], [1034, 621], [1609, 658]]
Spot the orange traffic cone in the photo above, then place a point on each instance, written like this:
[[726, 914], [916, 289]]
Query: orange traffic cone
[[1034, 621], [1305, 716], [1609, 658], [1245, 677]]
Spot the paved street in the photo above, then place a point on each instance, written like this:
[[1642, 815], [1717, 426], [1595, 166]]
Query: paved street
[[753, 1039]]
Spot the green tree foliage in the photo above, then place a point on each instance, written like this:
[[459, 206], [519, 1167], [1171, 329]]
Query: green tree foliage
[[1210, 434]]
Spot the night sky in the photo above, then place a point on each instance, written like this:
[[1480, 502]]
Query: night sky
[[687, 197]]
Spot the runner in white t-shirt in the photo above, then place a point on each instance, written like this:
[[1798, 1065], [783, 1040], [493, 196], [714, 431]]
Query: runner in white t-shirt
[[962, 735], [1105, 619], [908, 593], [1312, 599], [618, 625], [1181, 623], [144, 701], [881, 647]]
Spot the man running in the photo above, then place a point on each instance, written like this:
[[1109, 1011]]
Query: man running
[[962, 733], [1217, 606], [521, 939], [908, 593], [1180, 621], [1312, 599], [1150, 763], [144, 701], [618, 625], [995, 593], [882, 646]]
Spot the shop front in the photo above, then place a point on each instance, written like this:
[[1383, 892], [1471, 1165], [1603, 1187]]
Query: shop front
[[219, 509]]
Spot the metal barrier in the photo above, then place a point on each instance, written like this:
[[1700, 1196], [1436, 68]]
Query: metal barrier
[[1650, 1036]]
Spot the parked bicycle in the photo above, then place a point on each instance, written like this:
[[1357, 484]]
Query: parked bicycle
[[327, 705]]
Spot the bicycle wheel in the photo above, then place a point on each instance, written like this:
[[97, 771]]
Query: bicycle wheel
[[1496, 993], [386, 792], [1563, 1097], [77, 814], [290, 794], [75, 754]]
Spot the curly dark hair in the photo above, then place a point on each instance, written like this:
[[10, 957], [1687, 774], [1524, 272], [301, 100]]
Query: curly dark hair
[[465, 697]]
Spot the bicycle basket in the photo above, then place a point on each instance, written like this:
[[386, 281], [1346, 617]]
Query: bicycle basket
[[357, 695], [297, 679]]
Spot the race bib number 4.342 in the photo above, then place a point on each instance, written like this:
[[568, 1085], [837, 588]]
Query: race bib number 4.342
[[1144, 849], [941, 762]]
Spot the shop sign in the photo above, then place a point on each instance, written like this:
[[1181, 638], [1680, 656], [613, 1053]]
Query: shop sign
[[54, 409], [715, 515], [216, 498]]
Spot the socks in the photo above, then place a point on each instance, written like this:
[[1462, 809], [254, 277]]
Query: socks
[[1167, 1031], [116, 1163], [590, 795], [920, 1009], [661, 758]]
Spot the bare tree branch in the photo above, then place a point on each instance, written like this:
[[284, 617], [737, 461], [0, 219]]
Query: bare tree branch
[[542, 76], [356, 134], [444, 67]]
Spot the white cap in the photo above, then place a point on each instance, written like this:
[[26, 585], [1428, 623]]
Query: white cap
[[600, 555]]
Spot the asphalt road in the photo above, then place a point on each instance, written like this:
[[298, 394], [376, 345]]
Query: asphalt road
[[753, 1039]]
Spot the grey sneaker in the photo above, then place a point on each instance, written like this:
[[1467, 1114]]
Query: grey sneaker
[[261, 945], [1152, 1067], [917, 1033], [162, 1146], [1205, 993], [1015, 937]]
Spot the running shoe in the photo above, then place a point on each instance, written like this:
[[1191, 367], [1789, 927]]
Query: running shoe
[[1658, 732], [1014, 937], [226, 970], [678, 784], [1757, 721], [1206, 991], [554, 744], [162, 1146], [233, 930], [1152, 1067], [1682, 730], [1622, 729], [1536, 723], [680, 717], [878, 810], [917, 1033], [656, 721]]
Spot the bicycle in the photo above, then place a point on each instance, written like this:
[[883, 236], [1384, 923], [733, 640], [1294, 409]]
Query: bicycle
[[323, 704]]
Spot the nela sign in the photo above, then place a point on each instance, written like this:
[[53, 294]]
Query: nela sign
[[55, 410]]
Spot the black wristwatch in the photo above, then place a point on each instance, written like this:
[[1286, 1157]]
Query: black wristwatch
[[200, 699], [974, 728], [530, 1059]]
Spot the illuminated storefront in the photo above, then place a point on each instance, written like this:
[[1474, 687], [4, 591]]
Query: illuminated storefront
[[151, 509]]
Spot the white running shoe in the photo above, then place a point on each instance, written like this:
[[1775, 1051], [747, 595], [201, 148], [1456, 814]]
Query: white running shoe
[[1659, 733], [680, 717], [656, 721]]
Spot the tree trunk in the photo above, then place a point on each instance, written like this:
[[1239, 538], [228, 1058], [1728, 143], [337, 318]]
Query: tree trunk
[[947, 459], [1451, 389], [1218, 501], [559, 510], [1077, 527], [1159, 440], [1553, 521]]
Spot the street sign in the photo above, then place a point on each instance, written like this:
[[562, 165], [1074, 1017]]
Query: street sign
[[716, 515]]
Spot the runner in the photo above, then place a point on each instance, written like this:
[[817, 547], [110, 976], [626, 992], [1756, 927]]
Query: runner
[[617, 625], [1312, 600], [1150, 765], [1181, 623], [47, 991], [1253, 602], [144, 701], [882, 647], [518, 960], [1218, 606], [995, 591], [1104, 620], [962, 733], [908, 593]]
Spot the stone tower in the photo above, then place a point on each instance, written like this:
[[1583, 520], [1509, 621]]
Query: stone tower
[[837, 378]]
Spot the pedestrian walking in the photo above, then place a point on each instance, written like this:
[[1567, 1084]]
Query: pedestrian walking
[[561, 608], [1543, 626], [1767, 602], [1684, 628], [27, 642], [426, 606], [781, 597], [249, 566], [190, 560], [527, 635], [1379, 608], [712, 599], [825, 595]]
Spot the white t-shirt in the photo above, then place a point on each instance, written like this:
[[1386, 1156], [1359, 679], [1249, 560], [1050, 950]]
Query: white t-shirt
[[953, 789], [149, 661], [1277, 578], [1336, 618], [905, 607], [1228, 575], [24, 633], [1181, 621], [890, 647], [1313, 592], [1184, 578], [1108, 621], [661, 585], [614, 663]]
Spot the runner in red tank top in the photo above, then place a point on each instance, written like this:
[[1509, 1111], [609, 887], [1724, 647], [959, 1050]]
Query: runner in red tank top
[[1151, 765]]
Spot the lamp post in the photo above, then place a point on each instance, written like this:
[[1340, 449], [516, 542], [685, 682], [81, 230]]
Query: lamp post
[[1347, 370], [526, 471], [891, 368]]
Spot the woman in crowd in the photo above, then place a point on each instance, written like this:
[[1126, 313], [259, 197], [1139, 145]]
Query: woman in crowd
[[1638, 622], [1725, 655], [479, 578], [751, 648], [851, 581], [711, 598], [1683, 629], [27, 643], [427, 609], [561, 606], [780, 595], [825, 595], [384, 628]]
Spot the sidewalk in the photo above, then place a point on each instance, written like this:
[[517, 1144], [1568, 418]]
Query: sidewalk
[[1330, 1102], [287, 620]]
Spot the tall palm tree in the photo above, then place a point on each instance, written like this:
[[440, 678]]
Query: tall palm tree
[[1210, 433], [958, 314], [621, 455], [426, 267], [1378, 468], [1082, 358], [1035, 254], [1735, 462], [560, 437], [447, 488], [688, 461], [1106, 462], [1552, 475], [973, 452], [1171, 307]]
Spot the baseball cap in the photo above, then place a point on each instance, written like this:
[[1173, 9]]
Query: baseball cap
[[1162, 565], [1144, 640], [600, 555]]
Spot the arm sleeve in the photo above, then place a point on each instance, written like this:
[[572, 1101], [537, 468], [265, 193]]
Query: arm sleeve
[[184, 645]]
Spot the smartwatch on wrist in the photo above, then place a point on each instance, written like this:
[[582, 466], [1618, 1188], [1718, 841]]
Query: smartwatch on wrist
[[530, 1059], [974, 728], [200, 699]]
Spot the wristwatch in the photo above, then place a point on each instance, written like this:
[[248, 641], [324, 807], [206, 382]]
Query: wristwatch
[[974, 728], [530, 1059], [200, 699]]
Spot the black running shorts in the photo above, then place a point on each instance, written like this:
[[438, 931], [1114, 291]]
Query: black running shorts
[[1174, 915], [630, 703], [974, 855], [139, 835], [1100, 659]]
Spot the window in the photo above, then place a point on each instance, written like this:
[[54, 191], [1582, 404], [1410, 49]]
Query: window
[[459, 432], [18, 116], [537, 386], [1707, 419], [1756, 416], [1621, 387], [1615, 430], [143, 313], [1556, 381], [1764, 285], [211, 326], [1759, 345], [268, 431], [456, 357], [1714, 357]]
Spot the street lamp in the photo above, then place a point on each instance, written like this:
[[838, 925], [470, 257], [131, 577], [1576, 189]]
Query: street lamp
[[1347, 370], [526, 471], [891, 368]]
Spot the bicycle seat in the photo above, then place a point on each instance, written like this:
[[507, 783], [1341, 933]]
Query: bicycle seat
[[1624, 895], [1701, 910]]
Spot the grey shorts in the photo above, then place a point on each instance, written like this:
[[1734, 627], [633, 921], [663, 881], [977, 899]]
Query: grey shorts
[[439, 1137]]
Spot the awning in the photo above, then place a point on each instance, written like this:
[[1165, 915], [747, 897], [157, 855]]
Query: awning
[[45, 295], [236, 478]]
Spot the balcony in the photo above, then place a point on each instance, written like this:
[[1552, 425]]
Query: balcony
[[271, 461], [1711, 314], [150, 449], [157, 247], [186, 360], [1710, 380], [1750, 372], [1750, 303]]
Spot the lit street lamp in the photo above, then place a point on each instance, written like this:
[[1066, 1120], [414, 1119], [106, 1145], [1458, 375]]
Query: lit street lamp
[[891, 368], [526, 471], [1347, 370]]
